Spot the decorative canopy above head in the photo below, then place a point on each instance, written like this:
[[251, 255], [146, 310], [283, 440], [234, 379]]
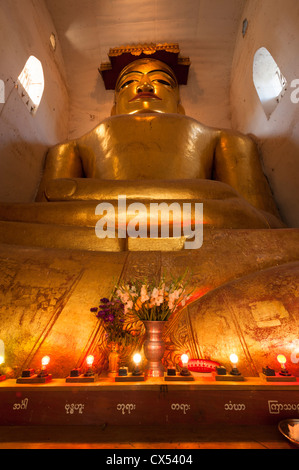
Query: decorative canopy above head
[[120, 57]]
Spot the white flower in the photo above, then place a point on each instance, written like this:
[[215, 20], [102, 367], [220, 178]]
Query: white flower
[[129, 305], [126, 309], [177, 293], [124, 296], [143, 294], [133, 295], [155, 293]]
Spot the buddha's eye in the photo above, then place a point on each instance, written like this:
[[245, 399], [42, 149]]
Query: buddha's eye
[[128, 82], [163, 82]]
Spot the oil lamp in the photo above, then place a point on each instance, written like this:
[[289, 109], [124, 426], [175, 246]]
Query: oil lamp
[[183, 375], [136, 375], [77, 377], [282, 376], [185, 359], [89, 362], [30, 376], [234, 361], [234, 374], [137, 361], [282, 361], [44, 375], [44, 371]]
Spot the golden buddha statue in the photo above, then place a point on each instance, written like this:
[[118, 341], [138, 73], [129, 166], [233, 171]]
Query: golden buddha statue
[[149, 150]]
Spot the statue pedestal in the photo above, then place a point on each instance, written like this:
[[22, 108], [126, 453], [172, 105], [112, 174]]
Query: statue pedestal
[[245, 286], [152, 402]]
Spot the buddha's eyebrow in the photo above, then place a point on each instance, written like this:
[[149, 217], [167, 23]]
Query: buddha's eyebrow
[[163, 71], [151, 71], [132, 71]]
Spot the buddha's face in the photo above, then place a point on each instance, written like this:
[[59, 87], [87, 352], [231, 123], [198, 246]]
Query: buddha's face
[[147, 85]]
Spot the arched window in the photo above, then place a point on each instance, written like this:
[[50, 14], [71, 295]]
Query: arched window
[[31, 83], [269, 82], [2, 92]]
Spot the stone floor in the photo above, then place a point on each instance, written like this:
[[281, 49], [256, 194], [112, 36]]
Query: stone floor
[[136, 437]]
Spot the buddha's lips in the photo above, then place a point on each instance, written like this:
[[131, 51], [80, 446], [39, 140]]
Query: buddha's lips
[[145, 95]]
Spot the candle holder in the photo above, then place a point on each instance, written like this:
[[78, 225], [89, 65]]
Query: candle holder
[[234, 361], [26, 376], [89, 362], [136, 375], [183, 375], [268, 372], [75, 372], [123, 371], [89, 376], [171, 372], [270, 375], [220, 370], [29, 376], [283, 370], [137, 372], [185, 372], [234, 375], [44, 376]]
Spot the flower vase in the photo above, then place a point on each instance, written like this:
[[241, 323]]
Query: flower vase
[[154, 348], [113, 360]]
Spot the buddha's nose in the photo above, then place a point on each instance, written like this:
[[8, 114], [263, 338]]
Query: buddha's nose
[[145, 85]]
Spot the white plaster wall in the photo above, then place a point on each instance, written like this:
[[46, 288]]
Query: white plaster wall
[[274, 25], [25, 29]]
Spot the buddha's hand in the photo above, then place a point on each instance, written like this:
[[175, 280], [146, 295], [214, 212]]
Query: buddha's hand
[[70, 189]]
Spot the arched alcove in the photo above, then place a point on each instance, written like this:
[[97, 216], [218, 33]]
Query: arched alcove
[[31, 83], [268, 79], [2, 92]]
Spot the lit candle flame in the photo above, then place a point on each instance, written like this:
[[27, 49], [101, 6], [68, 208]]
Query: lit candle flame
[[137, 358], [45, 361], [184, 359], [234, 359], [89, 360], [281, 359]]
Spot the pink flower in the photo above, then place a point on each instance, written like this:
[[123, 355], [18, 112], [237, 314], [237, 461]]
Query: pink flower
[[143, 294]]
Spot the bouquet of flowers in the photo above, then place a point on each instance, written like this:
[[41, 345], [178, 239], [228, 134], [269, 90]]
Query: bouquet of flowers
[[152, 302], [112, 313]]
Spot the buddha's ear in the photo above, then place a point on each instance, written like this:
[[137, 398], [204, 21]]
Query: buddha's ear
[[181, 109], [113, 110]]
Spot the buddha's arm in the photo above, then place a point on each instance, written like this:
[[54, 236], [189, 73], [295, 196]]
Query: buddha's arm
[[62, 161], [237, 163]]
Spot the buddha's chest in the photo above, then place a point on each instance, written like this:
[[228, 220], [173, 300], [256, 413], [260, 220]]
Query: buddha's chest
[[159, 147]]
